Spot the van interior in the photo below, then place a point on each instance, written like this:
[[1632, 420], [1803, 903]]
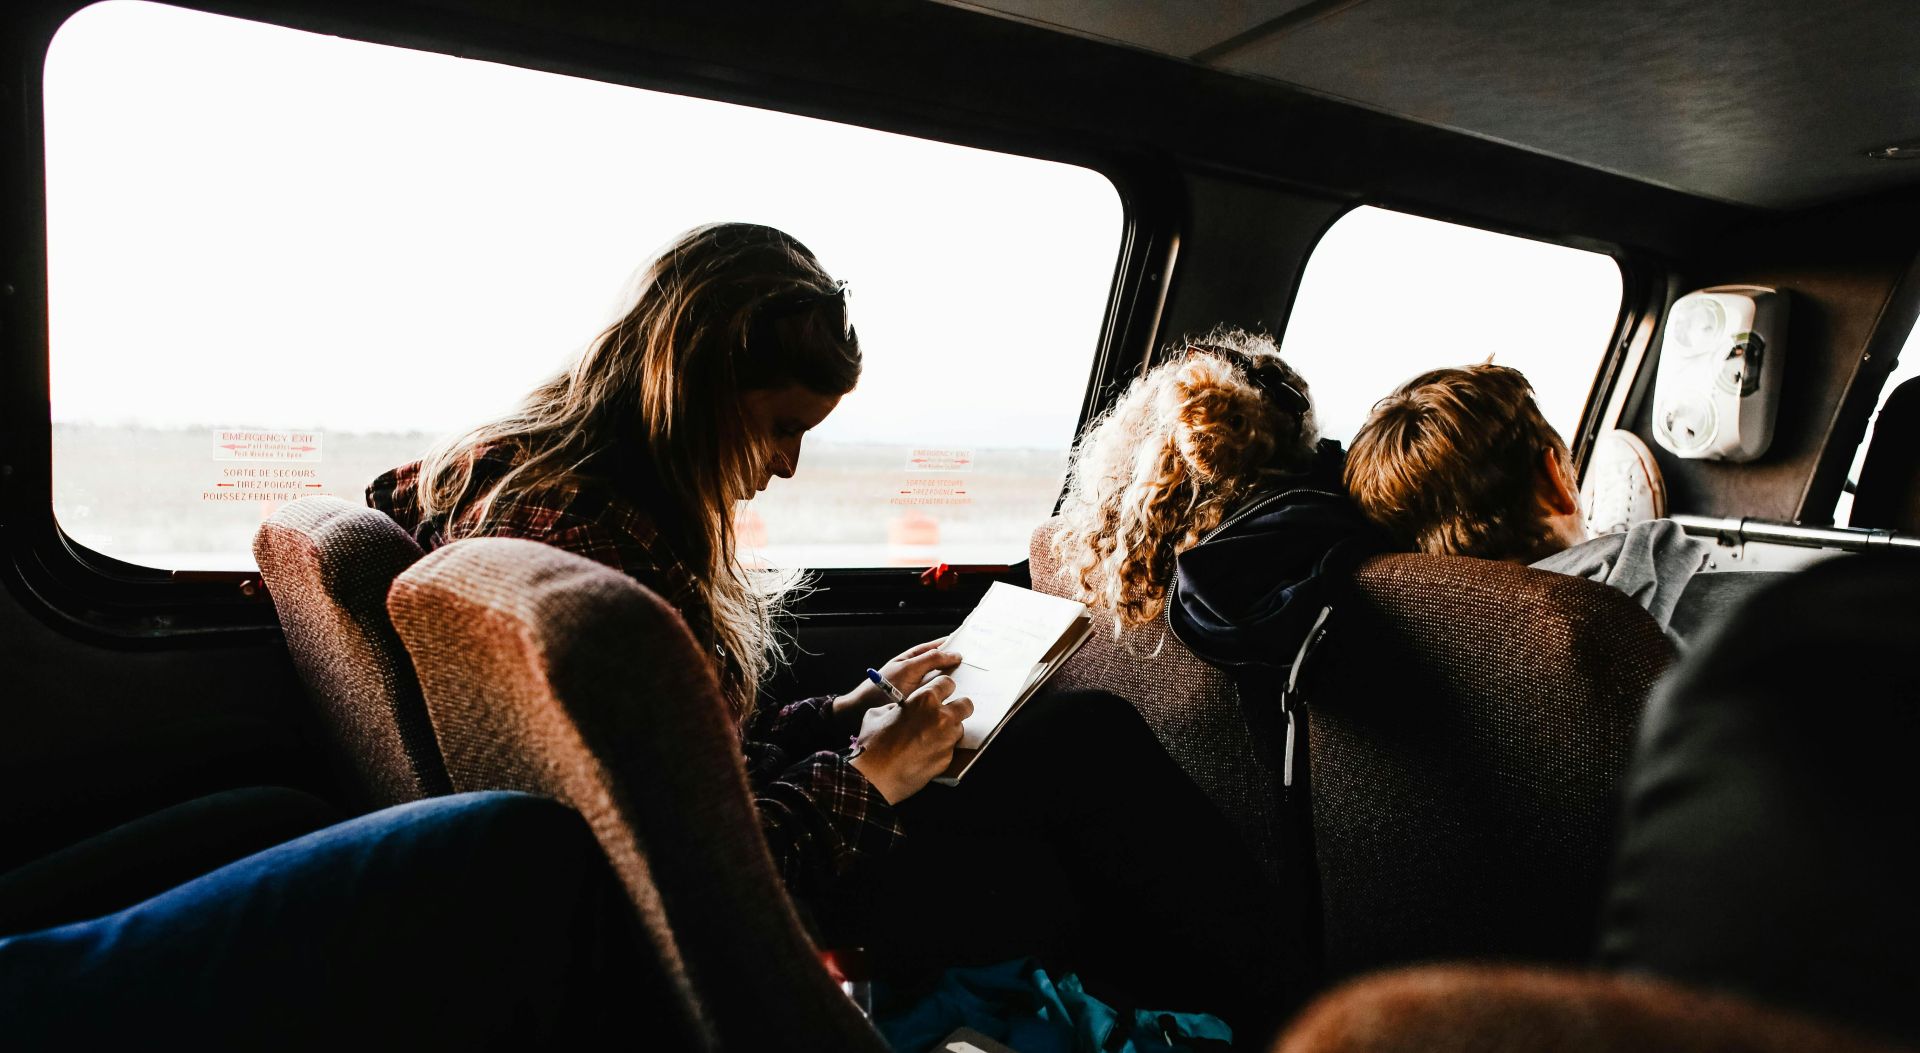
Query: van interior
[[1072, 189]]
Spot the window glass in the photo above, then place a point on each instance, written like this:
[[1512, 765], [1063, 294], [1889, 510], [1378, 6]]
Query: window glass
[[1387, 296], [1905, 369], [281, 263]]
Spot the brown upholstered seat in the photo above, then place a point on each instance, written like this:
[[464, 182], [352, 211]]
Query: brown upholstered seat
[[328, 564], [1192, 707], [1514, 1010], [550, 673], [1469, 725]]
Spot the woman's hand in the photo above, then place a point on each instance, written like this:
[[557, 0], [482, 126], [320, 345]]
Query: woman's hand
[[904, 746], [907, 671]]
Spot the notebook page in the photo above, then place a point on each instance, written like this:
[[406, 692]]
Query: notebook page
[[1000, 645]]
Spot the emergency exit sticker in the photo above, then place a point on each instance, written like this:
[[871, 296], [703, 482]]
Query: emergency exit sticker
[[269, 467], [940, 490], [243, 445], [264, 483], [933, 460]]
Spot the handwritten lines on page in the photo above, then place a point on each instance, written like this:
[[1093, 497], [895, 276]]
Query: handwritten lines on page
[[1004, 646]]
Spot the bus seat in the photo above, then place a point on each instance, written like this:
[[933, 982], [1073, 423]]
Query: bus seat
[[1518, 1010], [550, 673], [1711, 598], [1888, 495], [1766, 842], [327, 565], [1469, 724], [1192, 707]]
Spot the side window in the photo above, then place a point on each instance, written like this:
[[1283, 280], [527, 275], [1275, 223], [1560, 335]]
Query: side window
[[1387, 296], [280, 263], [1904, 370]]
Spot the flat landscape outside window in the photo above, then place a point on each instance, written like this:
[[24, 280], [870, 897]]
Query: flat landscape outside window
[[1387, 296], [280, 263]]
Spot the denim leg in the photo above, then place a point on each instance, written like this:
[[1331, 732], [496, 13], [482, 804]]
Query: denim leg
[[486, 920]]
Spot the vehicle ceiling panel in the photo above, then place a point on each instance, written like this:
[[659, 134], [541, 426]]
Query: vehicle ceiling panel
[[1181, 29], [1761, 102]]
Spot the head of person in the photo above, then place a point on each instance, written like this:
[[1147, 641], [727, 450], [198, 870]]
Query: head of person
[[1460, 461], [735, 344], [1220, 420]]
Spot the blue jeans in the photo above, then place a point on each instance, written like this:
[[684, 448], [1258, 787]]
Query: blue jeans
[[483, 920]]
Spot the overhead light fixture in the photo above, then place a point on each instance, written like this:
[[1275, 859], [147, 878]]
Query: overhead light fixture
[[1896, 152]]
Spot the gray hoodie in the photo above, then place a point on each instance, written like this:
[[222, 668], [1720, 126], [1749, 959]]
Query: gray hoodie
[[1650, 561]]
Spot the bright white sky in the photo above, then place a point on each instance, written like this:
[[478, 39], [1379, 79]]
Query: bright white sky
[[251, 225], [1387, 296]]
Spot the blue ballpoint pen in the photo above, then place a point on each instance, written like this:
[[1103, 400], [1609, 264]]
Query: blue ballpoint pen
[[886, 685]]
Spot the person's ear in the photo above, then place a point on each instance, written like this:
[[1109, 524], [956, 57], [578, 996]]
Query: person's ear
[[1559, 493]]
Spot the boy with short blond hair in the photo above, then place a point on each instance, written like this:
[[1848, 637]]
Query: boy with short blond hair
[[1460, 461]]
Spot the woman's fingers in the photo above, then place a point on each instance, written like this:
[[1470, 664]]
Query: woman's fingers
[[933, 692], [919, 649], [922, 666]]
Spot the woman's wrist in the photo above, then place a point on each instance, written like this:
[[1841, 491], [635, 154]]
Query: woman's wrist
[[844, 715], [868, 766]]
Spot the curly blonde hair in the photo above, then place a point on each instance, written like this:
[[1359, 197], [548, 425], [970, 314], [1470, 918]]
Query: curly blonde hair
[[1188, 441]]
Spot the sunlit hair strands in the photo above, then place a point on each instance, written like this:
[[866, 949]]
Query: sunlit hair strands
[[653, 407], [1450, 463], [1188, 442]]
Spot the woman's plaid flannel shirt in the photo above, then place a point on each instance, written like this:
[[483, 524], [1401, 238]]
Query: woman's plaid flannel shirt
[[824, 822]]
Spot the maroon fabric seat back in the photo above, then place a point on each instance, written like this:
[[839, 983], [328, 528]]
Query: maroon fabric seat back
[[1469, 725], [550, 673], [1516, 1010], [1192, 707], [328, 565]]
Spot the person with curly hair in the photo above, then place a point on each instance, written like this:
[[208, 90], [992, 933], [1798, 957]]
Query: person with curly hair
[[1206, 495]]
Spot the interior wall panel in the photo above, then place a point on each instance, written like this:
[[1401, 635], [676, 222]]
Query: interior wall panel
[[1242, 250], [1853, 305]]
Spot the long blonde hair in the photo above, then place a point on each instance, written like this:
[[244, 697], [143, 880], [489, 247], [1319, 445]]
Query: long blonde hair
[[652, 408], [1188, 441]]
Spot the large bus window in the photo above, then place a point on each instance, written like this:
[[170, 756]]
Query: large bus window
[[1387, 296], [280, 263], [1904, 370]]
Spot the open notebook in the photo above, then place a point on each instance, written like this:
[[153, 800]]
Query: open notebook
[[1011, 643]]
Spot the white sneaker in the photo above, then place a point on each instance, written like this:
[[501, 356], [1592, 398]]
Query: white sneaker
[[1623, 485]]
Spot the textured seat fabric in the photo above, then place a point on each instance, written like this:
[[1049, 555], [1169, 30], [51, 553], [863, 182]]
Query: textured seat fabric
[[1193, 709], [1468, 725], [1767, 843], [1888, 496], [550, 673], [328, 565], [1513, 1010]]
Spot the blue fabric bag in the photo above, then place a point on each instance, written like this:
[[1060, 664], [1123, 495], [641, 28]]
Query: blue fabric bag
[[1017, 1003]]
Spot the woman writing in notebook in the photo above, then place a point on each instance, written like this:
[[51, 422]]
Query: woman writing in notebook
[[736, 345]]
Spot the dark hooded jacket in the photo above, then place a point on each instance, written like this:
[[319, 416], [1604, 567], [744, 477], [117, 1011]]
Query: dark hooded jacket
[[1246, 597]]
